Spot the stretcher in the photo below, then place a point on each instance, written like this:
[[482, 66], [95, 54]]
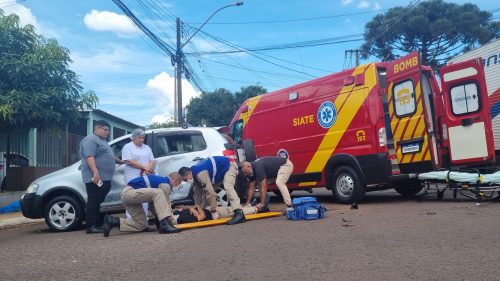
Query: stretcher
[[470, 183], [224, 220]]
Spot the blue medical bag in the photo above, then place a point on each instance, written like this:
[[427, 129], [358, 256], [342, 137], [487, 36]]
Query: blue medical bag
[[305, 208]]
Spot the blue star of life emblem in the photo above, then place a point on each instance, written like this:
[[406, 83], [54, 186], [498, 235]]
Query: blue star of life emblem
[[327, 114]]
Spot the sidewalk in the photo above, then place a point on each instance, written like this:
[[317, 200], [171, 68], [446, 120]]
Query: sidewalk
[[16, 219]]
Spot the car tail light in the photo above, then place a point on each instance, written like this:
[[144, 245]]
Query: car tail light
[[382, 137], [231, 154]]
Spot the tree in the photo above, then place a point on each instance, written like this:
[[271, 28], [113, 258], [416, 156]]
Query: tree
[[246, 93], [211, 109], [167, 124], [437, 29], [37, 88], [218, 108]]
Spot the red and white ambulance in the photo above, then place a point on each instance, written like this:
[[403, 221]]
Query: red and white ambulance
[[372, 127]]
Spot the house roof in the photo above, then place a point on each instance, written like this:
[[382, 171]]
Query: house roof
[[111, 116]]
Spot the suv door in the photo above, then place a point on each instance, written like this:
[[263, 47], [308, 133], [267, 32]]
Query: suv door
[[177, 149], [113, 199]]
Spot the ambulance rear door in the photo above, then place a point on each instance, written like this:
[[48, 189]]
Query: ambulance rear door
[[466, 123], [411, 116]]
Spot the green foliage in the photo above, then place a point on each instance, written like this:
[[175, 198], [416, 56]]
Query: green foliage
[[218, 108], [37, 88], [167, 124], [437, 29]]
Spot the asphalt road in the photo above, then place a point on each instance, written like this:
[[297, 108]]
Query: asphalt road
[[387, 238]]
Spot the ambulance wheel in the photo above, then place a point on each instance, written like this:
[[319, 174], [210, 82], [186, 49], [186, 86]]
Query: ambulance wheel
[[249, 149], [347, 185], [409, 188]]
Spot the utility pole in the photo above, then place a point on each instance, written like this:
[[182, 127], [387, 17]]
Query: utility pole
[[179, 55], [355, 52], [178, 77]]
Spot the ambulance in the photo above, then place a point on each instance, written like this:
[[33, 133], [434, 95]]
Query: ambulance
[[373, 127]]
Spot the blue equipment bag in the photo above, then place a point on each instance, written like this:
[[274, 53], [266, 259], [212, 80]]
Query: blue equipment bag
[[305, 208]]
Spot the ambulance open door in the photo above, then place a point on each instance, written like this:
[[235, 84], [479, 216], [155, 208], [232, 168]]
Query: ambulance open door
[[466, 124], [411, 116]]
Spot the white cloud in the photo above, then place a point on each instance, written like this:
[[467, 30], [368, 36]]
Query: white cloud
[[163, 85], [363, 5], [345, 2], [116, 58], [27, 17], [376, 6], [109, 21]]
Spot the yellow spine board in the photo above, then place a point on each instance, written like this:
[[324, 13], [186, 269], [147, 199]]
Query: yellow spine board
[[223, 221]]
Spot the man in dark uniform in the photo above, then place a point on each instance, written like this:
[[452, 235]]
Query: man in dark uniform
[[211, 172], [264, 171]]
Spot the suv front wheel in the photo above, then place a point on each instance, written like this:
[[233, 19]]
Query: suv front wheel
[[63, 213]]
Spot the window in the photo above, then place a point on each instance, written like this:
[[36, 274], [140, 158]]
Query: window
[[117, 147], [236, 131], [169, 144], [117, 132], [404, 98], [464, 99]]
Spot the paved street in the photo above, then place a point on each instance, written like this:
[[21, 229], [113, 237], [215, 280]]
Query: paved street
[[387, 238]]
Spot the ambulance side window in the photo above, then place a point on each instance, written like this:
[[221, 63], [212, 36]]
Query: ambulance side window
[[404, 98], [464, 99], [236, 131]]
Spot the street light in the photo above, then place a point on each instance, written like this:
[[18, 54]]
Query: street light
[[179, 55]]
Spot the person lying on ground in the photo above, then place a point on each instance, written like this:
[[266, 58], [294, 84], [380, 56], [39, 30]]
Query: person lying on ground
[[189, 214]]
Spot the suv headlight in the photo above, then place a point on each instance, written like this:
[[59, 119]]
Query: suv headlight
[[32, 188]]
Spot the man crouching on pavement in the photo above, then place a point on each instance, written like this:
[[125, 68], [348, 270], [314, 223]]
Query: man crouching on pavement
[[206, 175], [146, 189]]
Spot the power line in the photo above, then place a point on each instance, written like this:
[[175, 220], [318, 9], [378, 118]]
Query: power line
[[294, 20], [160, 43], [304, 44]]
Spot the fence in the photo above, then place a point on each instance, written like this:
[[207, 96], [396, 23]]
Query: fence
[[48, 151], [56, 148]]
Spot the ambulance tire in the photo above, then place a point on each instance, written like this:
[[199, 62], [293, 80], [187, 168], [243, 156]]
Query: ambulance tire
[[249, 149], [409, 188], [347, 187]]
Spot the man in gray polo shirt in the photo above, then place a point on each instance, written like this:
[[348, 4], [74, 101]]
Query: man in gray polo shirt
[[98, 167]]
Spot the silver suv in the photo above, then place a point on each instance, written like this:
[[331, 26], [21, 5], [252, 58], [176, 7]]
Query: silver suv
[[60, 197]]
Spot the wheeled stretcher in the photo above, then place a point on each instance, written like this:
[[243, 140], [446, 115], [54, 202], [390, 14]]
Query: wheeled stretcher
[[470, 183]]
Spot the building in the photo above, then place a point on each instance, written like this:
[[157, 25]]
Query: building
[[35, 152]]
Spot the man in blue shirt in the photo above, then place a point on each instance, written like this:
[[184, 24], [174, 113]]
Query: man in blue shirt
[[146, 189], [211, 172]]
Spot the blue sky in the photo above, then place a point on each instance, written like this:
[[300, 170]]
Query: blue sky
[[133, 78]]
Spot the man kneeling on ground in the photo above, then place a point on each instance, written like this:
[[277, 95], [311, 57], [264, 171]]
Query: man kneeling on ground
[[146, 189]]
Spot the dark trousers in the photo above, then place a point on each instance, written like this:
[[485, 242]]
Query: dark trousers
[[96, 196]]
